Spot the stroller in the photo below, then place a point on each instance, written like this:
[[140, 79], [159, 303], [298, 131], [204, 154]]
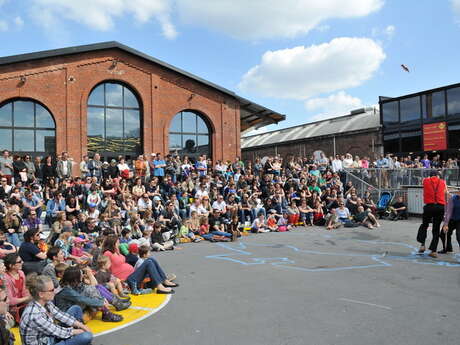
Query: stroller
[[383, 205]]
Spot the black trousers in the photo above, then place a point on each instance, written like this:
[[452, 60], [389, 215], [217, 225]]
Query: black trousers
[[432, 213], [446, 238]]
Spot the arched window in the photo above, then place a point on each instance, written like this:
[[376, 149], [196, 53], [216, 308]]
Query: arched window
[[189, 135], [114, 121], [27, 127]]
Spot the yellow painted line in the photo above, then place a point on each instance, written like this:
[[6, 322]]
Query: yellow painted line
[[142, 307]]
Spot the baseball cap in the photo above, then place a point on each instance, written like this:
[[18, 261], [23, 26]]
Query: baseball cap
[[79, 240], [91, 204], [133, 248]]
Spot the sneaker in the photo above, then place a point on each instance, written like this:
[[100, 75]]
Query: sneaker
[[136, 291], [120, 304], [108, 316]]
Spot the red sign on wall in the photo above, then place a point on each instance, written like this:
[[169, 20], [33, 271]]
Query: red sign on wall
[[435, 136]]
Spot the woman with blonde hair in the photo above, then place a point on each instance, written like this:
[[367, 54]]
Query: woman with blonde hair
[[12, 223]]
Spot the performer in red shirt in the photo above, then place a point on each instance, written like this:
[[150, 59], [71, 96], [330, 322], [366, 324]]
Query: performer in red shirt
[[434, 197]]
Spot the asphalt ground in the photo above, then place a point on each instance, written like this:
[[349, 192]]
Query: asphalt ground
[[309, 286]]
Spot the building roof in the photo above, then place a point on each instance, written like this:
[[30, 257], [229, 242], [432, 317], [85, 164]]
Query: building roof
[[357, 120], [252, 114]]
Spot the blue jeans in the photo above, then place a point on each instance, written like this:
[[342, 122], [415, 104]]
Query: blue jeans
[[150, 267], [80, 339], [221, 233], [13, 239]]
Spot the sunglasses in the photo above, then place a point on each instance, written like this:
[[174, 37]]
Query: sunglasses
[[19, 262], [4, 299], [52, 290]]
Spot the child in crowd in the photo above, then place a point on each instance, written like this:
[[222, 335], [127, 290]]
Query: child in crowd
[[157, 241], [144, 252], [258, 225], [107, 279], [272, 222], [78, 250], [133, 255], [283, 224]]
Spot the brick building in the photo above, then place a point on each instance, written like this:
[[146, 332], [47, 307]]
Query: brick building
[[358, 133], [112, 99]]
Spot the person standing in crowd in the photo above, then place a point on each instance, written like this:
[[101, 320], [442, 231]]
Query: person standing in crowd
[[30, 168], [64, 166], [6, 165], [48, 169], [95, 167], [451, 222], [84, 170], [159, 167], [434, 197]]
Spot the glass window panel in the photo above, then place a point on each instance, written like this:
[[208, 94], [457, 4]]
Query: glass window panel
[[203, 140], [453, 103], [424, 112], [189, 142], [6, 113], [132, 124], [391, 146], [6, 139], [113, 95], [202, 127], [114, 123], [411, 141], [23, 114], [114, 130], [176, 124], [175, 142], [410, 110], [20, 142], [45, 141], [438, 104], [97, 96], [43, 118], [390, 114], [130, 99], [96, 122], [188, 122]]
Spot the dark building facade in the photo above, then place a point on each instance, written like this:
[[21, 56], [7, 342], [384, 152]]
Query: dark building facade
[[423, 122], [357, 133]]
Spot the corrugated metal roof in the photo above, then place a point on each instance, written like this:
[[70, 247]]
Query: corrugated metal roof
[[338, 125]]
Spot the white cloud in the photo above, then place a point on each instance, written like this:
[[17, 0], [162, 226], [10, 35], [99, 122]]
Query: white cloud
[[456, 9], [334, 105], [19, 22], [3, 25], [390, 31], [303, 72], [101, 14], [265, 19]]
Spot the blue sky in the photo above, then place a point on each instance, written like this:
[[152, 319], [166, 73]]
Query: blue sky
[[308, 59]]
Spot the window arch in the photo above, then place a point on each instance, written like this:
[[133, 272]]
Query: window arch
[[27, 127], [189, 134], [114, 121]]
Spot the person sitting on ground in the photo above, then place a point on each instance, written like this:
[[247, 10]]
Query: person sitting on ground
[[133, 254], [74, 292], [366, 218], [55, 256], [5, 247], [157, 238], [34, 259], [217, 224], [293, 213], [306, 213], [258, 225], [332, 220], [125, 272], [283, 223], [398, 210], [6, 320], [272, 222], [38, 323], [15, 280], [107, 279]]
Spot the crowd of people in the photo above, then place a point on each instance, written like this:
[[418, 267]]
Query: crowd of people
[[103, 220]]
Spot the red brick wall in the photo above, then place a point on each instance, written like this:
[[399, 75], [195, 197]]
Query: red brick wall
[[63, 85]]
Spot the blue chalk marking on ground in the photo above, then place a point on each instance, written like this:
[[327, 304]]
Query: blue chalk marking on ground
[[380, 260]]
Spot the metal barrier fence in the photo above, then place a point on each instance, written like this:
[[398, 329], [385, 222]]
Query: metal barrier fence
[[396, 178]]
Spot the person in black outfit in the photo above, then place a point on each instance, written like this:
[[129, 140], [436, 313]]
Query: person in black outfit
[[48, 169]]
